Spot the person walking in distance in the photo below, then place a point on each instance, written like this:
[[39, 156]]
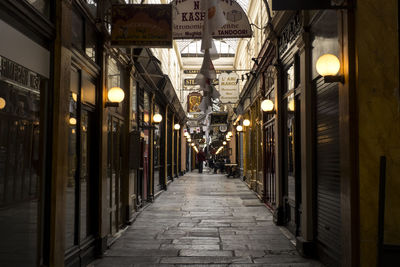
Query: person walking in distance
[[201, 156]]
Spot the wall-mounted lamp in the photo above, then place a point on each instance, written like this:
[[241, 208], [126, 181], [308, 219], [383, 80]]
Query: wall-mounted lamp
[[157, 118], [267, 106], [246, 122], [239, 128], [2, 103], [328, 66], [177, 126], [72, 121], [115, 96]]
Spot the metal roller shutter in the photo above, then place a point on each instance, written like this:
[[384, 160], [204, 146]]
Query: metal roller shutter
[[328, 232]]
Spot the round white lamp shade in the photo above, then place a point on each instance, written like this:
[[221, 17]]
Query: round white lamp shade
[[157, 118], [177, 126], [72, 121], [239, 128], [116, 95], [2, 103], [246, 122], [328, 65], [224, 143], [267, 105]]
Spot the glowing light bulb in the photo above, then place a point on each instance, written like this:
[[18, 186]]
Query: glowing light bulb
[[157, 118], [267, 105], [327, 65], [116, 95]]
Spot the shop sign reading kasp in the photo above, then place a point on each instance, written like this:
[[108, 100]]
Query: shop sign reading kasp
[[188, 19]]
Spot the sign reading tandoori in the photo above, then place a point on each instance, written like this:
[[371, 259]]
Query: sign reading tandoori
[[188, 19], [141, 25]]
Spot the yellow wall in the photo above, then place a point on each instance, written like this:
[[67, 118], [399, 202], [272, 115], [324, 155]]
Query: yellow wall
[[379, 120]]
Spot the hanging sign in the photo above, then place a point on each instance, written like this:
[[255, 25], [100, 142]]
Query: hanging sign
[[188, 20], [228, 87], [219, 118], [193, 102], [305, 4], [197, 71], [141, 25], [193, 82]]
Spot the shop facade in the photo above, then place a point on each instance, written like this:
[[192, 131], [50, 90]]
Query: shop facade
[[58, 126], [292, 154], [26, 54]]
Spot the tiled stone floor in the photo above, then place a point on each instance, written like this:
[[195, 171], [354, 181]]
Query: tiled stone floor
[[204, 220]]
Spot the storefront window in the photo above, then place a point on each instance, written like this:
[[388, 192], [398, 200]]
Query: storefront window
[[19, 163], [43, 6], [72, 162], [77, 30], [90, 44], [92, 6], [114, 74], [289, 78], [133, 102], [146, 106]]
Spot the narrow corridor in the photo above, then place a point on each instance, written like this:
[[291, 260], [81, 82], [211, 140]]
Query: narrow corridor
[[204, 220]]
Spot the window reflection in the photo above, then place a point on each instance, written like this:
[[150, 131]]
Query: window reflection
[[72, 165], [133, 102], [40, 5], [290, 78], [92, 6], [90, 44], [85, 176], [19, 174]]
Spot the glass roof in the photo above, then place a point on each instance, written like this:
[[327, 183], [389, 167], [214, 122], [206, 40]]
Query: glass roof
[[223, 46]]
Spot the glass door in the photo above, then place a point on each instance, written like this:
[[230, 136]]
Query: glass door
[[81, 186], [269, 163], [115, 127]]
